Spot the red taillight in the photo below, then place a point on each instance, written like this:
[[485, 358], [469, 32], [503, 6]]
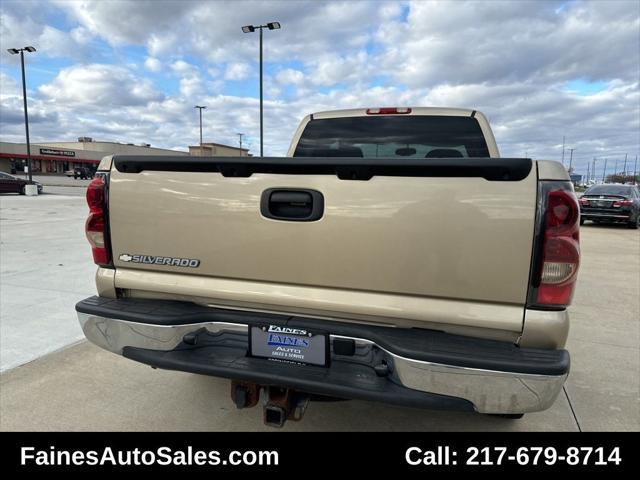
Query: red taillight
[[623, 203], [562, 212], [388, 111], [560, 254], [95, 226]]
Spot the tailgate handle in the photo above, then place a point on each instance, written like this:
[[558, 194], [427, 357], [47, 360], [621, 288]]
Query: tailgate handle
[[290, 204]]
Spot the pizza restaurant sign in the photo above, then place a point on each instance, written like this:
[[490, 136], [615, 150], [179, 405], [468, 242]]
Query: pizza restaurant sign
[[59, 153]]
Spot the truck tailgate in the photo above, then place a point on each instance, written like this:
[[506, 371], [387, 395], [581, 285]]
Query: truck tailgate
[[423, 241]]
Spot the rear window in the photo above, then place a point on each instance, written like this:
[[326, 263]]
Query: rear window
[[624, 190], [393, 136]]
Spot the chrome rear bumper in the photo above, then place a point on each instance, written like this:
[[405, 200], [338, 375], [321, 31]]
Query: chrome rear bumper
[[490, 391]]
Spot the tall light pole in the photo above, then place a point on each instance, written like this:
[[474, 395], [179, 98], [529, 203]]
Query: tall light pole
[[563, 150], [250, 29], [240, 135], [571, 160], [604, 171], [200, 108], [624, 172], [15, 51], [635, 166]]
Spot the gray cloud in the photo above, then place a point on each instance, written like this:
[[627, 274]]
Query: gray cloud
[[211, 30], [511, 60], [23, 23], [475, 42], [103, 86]]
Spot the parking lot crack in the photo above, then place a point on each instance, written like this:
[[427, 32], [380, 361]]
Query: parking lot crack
[[573, 412]]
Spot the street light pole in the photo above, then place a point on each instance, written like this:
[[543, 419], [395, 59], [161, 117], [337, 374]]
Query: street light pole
[[200, 108], [571, 160], [604, 171], [15, 51], [250, 29], [261, 99], [240, 135], [563, 150]]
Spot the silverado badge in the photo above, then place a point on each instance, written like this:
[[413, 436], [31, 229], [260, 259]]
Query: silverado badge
[[155, 260]]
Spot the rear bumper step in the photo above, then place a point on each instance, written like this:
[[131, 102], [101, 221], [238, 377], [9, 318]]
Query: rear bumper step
[[427, 369]]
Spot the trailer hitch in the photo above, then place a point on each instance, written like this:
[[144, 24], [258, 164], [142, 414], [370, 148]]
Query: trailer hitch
[[282, 404], [279, 404]]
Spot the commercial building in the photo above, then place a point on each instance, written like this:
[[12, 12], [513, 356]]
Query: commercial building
[[58, 157], [217, 150]]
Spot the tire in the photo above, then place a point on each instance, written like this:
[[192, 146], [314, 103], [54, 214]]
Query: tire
[[508, 416], [581, 221], [636, 224], [22, 191]]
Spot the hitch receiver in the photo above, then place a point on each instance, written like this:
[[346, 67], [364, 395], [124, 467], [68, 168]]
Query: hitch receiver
[[279, 404], [282, 404]]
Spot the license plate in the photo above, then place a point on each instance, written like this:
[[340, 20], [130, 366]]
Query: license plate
[[603, 204], [288, 344]]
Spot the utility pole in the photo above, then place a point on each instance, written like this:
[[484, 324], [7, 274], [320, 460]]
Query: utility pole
[[563, 150], [571, 160], [624, 172], [240, 135], [200, 108], [593, 170], [588, 173], [615, 169], [635, 165], [604, 171]]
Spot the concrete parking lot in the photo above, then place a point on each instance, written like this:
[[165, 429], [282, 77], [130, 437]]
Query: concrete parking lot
[[60, 181], [52, 380]]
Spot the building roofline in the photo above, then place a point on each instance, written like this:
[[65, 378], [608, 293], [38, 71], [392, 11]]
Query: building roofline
[[46, 144], [214, 144]]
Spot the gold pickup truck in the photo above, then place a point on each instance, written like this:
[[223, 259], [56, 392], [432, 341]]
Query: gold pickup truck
[[392, 256]]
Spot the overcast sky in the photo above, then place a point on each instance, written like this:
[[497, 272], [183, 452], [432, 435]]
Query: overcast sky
[[132, 71]]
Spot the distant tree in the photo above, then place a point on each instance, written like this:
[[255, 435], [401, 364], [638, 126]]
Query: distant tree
[[620, 178]]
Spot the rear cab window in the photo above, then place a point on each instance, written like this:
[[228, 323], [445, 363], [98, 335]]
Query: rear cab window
[[410, 136]]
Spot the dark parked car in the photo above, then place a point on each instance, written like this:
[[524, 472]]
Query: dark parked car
[[11, 184], [82, 173], [611, 203]]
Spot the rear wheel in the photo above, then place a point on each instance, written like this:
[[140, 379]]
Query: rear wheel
[[581, 221], [634, 225], [23, 190]]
